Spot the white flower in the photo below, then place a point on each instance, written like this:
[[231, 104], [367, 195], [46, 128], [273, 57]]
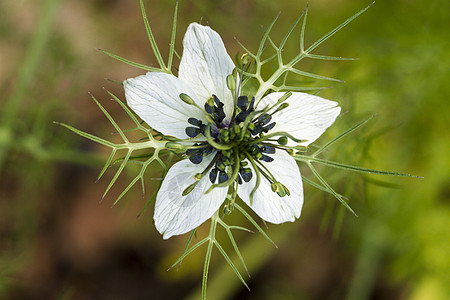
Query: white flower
[[184, 202]]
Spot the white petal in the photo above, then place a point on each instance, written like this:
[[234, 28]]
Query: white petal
[[266, 203], [155, 98], [205, 64], [306, 118], [177, 214]]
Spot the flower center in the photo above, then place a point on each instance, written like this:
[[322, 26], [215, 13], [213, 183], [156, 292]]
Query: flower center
[[237, 141]]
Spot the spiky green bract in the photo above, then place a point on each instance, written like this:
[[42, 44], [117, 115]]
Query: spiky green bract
[[150, 143], [324, 186], [278, 80]]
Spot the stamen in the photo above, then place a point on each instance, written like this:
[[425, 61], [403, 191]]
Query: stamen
[[240, 139], [246, 174], [227, 181], [266, 158], [268, 149], [196, 157], [213, 175], [223, 177], [242, 102], [195, 122], [192, 131]]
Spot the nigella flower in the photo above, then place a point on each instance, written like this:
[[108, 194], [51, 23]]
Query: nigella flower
[[233, 142]]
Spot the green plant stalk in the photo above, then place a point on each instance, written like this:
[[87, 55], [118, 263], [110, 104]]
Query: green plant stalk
[[211, 238], [27, 73]]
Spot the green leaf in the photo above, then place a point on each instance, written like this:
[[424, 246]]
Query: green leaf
[[191, 236], [317, 186], [254, 223], [230, 262], [340, 136], [129, 62], [324, 57], [266, 35], [330, 189], [359, 169], [335, 30], [186, 253], [172, 39], [312, 75], [152, 40], [122, 135], [119, 171], [283, 42], [233, 242]]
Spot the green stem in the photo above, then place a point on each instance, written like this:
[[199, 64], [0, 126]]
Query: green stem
[[211, 238]]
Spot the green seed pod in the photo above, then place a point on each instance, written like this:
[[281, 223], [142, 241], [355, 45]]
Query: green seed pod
[[220, 166], [175, 146], [282, 106], [284, 97], [247, 135], [286, 189], [224, 132], [198, 176], [274, 187], [245, 58], [283, 140], [186, 99], [231, 82], [226, 153], [232, 135], [189, 189], [280, 189]]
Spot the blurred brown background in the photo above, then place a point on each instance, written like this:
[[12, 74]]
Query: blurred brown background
[[59, 241]]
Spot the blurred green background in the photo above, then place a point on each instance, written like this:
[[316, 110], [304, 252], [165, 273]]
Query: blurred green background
[[58, 241]]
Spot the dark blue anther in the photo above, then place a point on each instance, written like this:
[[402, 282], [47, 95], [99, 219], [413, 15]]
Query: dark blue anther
[[264, 119], [242, 116], [217, 101], [269, 127], [268, 149], [242, 102], [192, 131], [247, 176], [266, 158], [220, 115], [257, 130], [195, 122], [239, 179], [190, 151], [208, 150], [252, 103], [196, 157], [213, 175], [223, 177], [208, 108]]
